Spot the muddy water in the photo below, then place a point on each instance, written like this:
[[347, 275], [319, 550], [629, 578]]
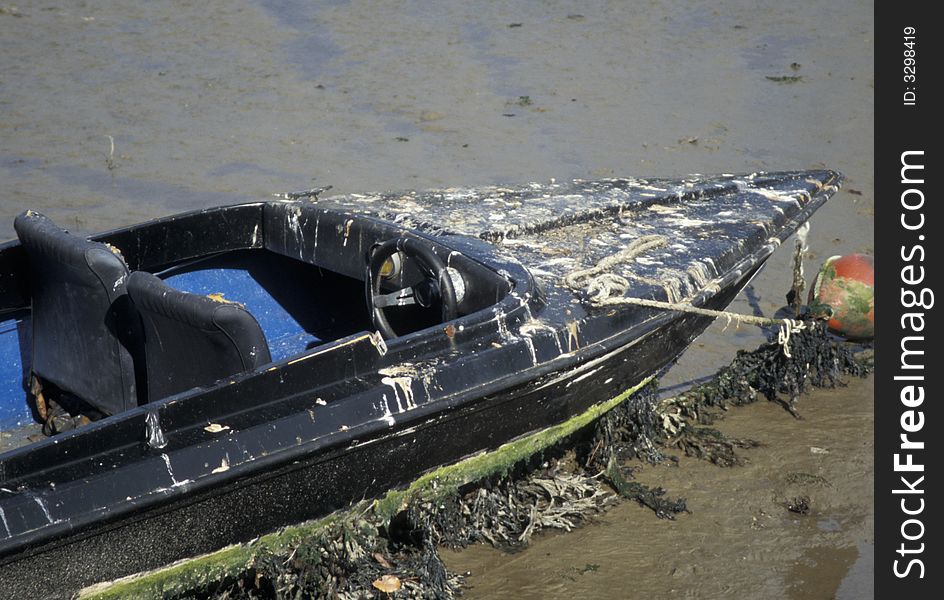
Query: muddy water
[[113, 111]]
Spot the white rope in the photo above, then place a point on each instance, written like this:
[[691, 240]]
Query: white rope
[[606, 289], [788, 328], [643, 244]]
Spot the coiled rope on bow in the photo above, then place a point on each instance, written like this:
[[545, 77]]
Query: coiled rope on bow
[[604, 288]]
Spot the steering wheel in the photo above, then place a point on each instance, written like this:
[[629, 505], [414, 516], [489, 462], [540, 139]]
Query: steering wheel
[[435, 288]]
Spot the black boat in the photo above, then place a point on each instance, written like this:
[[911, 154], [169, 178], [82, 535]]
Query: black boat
[[224, 372]]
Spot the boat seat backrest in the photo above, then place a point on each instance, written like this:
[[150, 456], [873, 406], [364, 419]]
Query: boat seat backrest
[[191, 340], [83, 328]]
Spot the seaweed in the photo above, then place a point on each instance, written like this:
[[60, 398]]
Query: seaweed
[[815, 360], [712, 445]]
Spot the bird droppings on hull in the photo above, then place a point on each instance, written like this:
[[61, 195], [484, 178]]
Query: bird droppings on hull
[[790, 196], [405, 384], [347, 230], [44, 508], [531, 350], [153, 432], [387, 414], [293, 215], [170, 470], [534, 326], [501, 324], [580, 378], [573, 336]]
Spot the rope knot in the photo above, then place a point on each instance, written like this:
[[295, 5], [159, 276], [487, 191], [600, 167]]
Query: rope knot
[[606, 285], [787, 329], [597, 275]]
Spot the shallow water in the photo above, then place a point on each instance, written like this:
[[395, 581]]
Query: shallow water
[[117, 111]]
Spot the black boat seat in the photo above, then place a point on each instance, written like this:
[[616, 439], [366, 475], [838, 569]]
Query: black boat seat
[[82, 324], [192, 340]]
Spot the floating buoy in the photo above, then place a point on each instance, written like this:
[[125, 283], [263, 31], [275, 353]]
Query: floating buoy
[[844, 290]]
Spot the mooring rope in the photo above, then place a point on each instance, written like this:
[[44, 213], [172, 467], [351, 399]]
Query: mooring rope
[[787, 326], [604, 288], [643, 244]]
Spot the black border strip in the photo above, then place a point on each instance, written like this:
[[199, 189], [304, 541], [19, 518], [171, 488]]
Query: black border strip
[[908, 265]]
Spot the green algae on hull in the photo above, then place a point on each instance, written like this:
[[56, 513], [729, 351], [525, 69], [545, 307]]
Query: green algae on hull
[[205, 571], [447, 480]]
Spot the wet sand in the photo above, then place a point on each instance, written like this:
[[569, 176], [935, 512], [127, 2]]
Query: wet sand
[[117, 111]]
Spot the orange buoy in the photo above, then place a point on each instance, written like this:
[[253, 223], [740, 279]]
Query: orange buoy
[[844, 290]]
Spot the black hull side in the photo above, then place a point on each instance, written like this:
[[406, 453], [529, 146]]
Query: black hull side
[[332, 480]]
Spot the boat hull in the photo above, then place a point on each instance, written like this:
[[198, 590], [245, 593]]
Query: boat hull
[[363, 469]]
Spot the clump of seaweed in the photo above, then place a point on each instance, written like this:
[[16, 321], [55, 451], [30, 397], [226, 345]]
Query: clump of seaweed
[[508, 512], [632, 431], [712, 445], [350, 559], [815, 360]]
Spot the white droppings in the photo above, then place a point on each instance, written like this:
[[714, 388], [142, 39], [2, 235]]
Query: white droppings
[[293, 213], [558, 261], [530, 344], [533, 326], [388, 416], [314, 248], [42, 505], [773, 194], [582, 377], [170, 471], [702, 272], [155, 435], [683, 222], [541, 272], [406, 385], [500, 323]]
